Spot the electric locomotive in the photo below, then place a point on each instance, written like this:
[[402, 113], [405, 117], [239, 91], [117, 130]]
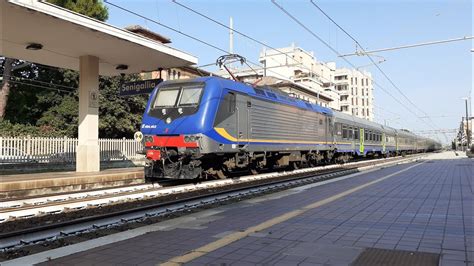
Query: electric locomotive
[[211, 127]]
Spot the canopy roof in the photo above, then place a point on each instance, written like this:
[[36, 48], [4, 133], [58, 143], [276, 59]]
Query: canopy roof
[[66, 35]]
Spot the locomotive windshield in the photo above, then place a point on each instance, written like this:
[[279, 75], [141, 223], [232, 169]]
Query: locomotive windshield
[[178, 96]]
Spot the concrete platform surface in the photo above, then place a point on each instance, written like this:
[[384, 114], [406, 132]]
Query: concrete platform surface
[[425, 208], [21, 185]]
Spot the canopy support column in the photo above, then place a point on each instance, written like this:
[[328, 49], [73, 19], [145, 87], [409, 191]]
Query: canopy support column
[[88, 153]]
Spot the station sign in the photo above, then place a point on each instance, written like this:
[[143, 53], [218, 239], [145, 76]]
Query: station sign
[[138, 87]]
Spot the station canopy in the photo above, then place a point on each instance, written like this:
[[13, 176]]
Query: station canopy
[[58, 37]]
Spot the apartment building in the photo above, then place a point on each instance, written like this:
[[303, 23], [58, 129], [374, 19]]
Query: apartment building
[[355, 90], [299, 66]]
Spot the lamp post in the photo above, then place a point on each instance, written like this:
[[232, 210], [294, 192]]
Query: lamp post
[[468, 134]]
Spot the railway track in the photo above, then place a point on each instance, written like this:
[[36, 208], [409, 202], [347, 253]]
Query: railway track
[[200, 195]]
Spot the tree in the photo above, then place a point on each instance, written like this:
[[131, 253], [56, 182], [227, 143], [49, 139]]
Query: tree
[[5, 85], [44, 100], [91, 8]]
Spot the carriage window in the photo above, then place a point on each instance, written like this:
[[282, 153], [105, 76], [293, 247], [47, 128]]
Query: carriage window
[[351, 133], [366, 135], [356, 133], [344, 132]]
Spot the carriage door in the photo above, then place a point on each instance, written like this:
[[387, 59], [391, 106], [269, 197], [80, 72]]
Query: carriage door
[[243, 118], [330, 131], [384, 142], [361, 140]]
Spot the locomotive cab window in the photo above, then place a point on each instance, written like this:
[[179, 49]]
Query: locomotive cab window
[[190, 96], [166, 98], [178, 96]]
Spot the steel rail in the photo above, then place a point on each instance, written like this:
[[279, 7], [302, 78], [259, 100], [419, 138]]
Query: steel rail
[[79, 201], [20, 238]]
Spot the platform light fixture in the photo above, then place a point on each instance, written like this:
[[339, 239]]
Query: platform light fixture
[[121, 67], [34, 46]]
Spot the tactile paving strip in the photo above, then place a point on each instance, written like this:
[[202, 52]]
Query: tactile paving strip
[[386, 257]]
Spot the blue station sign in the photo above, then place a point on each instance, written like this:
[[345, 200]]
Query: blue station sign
[[138, 87]]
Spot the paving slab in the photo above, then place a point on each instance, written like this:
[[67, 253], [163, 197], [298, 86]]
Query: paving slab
[[417, 208]]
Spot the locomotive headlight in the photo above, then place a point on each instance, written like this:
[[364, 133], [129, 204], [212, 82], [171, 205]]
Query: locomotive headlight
[[147, 139], [191, 138], [168, 120]]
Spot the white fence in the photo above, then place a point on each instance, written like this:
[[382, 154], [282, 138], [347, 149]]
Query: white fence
[[63, 150]]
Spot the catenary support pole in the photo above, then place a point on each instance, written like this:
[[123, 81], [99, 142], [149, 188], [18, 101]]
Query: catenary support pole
[[468, 133]]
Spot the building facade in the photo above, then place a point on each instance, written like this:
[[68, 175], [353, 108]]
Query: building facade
[[355, 89], [301, 67], [465, 131], [186, 72]]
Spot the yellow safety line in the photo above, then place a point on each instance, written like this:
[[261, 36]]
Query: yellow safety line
[[226, 240]]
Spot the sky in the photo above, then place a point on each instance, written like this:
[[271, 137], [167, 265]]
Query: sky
[[435, 78]]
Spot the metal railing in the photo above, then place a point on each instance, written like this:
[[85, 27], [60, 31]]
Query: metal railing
[[63, 150]]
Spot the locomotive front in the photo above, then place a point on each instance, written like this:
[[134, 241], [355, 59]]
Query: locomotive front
[[175, 121]]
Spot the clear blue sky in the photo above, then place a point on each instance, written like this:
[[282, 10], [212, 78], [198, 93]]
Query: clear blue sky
[[434, 77]]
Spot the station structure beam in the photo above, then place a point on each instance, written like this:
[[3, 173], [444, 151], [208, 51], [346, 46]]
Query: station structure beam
[[40, 32]]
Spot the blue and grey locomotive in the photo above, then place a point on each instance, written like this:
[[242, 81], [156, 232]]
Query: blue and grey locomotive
[[212, 127]]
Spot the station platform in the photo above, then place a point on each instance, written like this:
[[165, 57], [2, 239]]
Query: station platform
[[26, 185], [410, 214]]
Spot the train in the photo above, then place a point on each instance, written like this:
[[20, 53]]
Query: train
[[212, 128]]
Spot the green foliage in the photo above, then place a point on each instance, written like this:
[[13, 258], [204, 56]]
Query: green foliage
[[119, 116], [91, 8], [8, 129], [62, 117], [43, 101], [56, 111]]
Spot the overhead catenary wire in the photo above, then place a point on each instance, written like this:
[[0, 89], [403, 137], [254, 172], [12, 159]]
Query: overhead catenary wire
[[166, 26], [224, 51], [40, 86], [252, 39], [369, 56], [372, 60], [246, 36], [209, 44], [186, 35], [40, 82], [465, 38], [345, 59]]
